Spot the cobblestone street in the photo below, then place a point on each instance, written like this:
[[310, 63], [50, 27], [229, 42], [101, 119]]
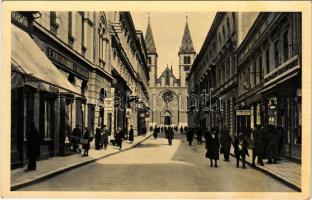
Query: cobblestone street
[[155, 166]]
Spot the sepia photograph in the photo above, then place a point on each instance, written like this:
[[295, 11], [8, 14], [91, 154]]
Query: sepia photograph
[[178, 103]]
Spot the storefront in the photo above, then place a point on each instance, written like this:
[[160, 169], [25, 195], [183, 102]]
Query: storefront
[[37, 89]]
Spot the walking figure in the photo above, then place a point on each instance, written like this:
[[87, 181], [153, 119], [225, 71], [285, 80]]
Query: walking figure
[[119, 137], [199, 135], [33, 147], [131, 135], [272, 148], [190, 135], [170, 135], [75, 139], [86, 143], [240, 149], [258, 145], [226, 143], [213, 147], [105, 135], [155, 133]]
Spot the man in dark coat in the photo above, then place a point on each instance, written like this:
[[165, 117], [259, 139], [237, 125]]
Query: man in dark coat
[[97, 141], [190, 135], [199, 135], [119, 137], [155, 133], [241, 149], [170, 136], [105, 135], [226, 143], [272, 148], [213, 147], [181, 130], [33, 147], [86, 145], [258, 146], [131, 135]]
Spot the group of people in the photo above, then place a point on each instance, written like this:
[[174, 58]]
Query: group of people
[[81, 138], [266, 143]]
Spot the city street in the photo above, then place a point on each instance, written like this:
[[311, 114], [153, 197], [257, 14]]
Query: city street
[[153, 166]]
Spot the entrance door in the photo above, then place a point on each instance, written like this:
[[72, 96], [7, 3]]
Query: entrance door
[[167, 118]]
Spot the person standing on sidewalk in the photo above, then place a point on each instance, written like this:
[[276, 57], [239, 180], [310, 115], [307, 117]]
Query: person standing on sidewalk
[[105, 135], [272, 148], [155, 133], [181, 130], [33, 146], [131, 135], [213, 148], [258, 146], [226, 143], [241, 149], [119, 137], [76, 135], [86, 142], [98, 132]]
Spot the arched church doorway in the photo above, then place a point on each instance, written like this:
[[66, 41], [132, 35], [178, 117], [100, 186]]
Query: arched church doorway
[[167, 118]]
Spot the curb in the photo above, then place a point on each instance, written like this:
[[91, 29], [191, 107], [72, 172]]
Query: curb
[[275, 176], [61, 170]]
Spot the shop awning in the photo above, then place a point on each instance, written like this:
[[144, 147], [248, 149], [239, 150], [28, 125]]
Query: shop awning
[[28, 59]]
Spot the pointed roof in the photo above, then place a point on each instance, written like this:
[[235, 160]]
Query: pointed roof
[[187, 44], [149, 39], [167, 73]]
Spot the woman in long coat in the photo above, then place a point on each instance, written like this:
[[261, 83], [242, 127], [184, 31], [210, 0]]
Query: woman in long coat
[[131, 136], [33, 147], [213, 146], [272, 148], [190, 135], [86, 146]]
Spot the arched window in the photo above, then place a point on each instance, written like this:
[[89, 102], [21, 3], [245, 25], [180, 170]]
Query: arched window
[[185, 59], [149, 60], [188, 60]]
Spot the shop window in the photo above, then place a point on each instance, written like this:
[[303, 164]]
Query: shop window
[[297, 121], [48, 119]]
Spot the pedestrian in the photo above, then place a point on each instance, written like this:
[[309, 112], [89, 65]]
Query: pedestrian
[[131, 136], [119, 137], [162, 129], [199, 135], [181, 130], [170, 135], [98, 138], [75, 139], [240, 149], [86, 142], [105, 134], [143, 131], [33, 146], [155, 133], [190, 135], [213, 148], [258, 146], [272, 148], [226, 143]]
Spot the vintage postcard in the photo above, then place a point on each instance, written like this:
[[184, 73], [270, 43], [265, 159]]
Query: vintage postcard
[[137, 99]]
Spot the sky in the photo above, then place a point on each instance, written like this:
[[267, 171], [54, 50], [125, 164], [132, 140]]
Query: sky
[[168, 29]]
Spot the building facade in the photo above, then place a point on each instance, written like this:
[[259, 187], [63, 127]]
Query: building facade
[[70, 68], [168, 94], [269, 78]]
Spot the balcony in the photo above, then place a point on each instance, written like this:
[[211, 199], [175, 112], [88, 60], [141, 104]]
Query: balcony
[[286, 69]]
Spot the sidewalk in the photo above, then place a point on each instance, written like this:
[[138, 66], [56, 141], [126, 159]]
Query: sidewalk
[[287, 171], [57, 165]]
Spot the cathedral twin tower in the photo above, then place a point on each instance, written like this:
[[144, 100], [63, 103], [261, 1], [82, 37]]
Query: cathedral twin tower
[[168, 94]]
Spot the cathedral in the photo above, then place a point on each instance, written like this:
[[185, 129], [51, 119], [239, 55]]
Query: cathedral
[[168, 94]]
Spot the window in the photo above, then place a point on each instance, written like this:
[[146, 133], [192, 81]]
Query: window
[[70, 29], [276, 53], [260, 68], [53, 24], [149, 60], [267, 60], [285, 46], [48, 119], [254, 73]]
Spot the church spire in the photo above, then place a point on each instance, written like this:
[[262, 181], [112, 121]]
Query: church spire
[[187, 44], [149, 39]]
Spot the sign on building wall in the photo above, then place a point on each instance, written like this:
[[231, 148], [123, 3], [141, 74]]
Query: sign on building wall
[[243, 112]]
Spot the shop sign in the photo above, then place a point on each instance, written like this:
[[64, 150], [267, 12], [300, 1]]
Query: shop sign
[[62, 60], [243, 112], [20, 19]]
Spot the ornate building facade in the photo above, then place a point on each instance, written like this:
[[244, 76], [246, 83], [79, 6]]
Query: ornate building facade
[[168, 94]]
